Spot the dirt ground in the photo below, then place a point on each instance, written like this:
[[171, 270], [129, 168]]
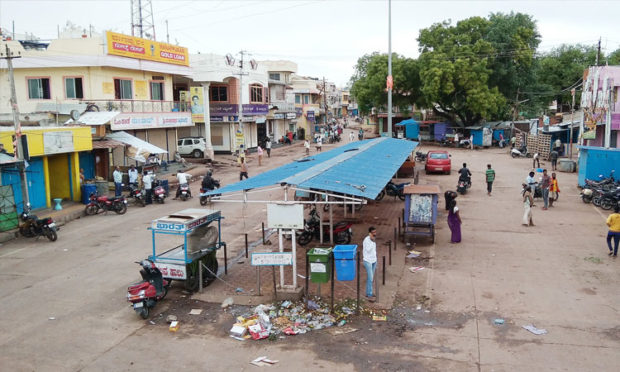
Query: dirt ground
[[62, 306]]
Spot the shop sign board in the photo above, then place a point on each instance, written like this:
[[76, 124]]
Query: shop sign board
[[150, 50], [151, 120], [272, 259]]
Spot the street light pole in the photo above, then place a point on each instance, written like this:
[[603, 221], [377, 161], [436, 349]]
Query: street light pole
[[390, 81]]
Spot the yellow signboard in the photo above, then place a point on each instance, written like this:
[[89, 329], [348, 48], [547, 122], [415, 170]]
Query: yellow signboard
[[135, 47], [198, 108]]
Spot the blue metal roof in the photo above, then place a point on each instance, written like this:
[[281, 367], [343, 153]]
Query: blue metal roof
[[361, 168]]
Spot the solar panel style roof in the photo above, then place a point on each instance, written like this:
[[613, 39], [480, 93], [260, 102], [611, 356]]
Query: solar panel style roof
[[361, 169]]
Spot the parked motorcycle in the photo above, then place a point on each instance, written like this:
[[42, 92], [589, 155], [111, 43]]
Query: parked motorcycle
[[32, 226], [159, 193], [137, 195], [153, 288], [393, 189], [586, 195], [118, 204], [184, 192], [342, 231], [521, 152], [420, 156], [204, 199]]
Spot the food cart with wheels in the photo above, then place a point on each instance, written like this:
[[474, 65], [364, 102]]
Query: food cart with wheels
[[201, 240], [421, 210]]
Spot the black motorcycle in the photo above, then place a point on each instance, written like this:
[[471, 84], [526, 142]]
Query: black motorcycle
[[139, 196], [342, 231], [32, 226], [463, 185], [420, 156], [393, 189]]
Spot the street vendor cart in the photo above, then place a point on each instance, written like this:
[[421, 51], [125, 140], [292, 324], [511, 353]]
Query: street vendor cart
[[421, 210], [201, 240]]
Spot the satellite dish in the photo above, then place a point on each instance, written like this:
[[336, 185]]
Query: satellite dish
[[75, 114], [230, 60]]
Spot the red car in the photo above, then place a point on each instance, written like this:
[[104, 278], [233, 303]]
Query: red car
[[438, 161]]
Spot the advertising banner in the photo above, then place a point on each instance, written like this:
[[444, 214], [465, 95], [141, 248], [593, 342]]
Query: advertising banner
[[151, 120], [135, 47], [197, 103]]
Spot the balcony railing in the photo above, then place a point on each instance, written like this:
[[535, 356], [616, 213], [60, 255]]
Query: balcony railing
[[125, 105]]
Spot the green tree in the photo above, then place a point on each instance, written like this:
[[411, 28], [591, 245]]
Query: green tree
[[613, 59], [455, 71], [368, 84]]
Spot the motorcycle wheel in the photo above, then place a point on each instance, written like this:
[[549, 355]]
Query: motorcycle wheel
[[586, 199], [183, 197], [304, 238], [122, 209], [203, 200], [90, 210], [607, 204], [25, 232], [514, 155], [142, 202], [160, 200], [343, 237], [401, 196], [596, 201], [51, 235], [144, 313], [380, 196]]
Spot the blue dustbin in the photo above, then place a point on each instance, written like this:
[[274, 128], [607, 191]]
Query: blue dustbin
[[87, 189], [344, 257]]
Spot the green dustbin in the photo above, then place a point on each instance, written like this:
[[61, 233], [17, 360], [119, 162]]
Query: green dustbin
[[320, 264]]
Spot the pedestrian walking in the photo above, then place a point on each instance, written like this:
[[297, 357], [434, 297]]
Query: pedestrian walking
[[490, 173], [259, 151], [544, 185], [369, 254], [351, 137], [528, 201], [554, 160], [147, 181], [244, 170], [454, 222], [268, 146], [118, 180], [613, 221], [307, 147], [554, 190], [536, 160], [319, 143]]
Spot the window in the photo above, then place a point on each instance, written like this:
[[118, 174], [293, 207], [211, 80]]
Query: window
[[39, 88], [298, 98], [438, 155], [256, 93], [306, 99], [274, 76], [157, 91], [122, 89], [73, 88], [219, 93]]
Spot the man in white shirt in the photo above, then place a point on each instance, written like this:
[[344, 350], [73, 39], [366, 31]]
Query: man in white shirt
[[369, 255], [319, 144], [133, 175], [147, 181], [118, 181], [182, 178]]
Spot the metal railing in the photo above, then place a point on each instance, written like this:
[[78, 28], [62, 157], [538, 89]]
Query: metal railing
[[127, 105]]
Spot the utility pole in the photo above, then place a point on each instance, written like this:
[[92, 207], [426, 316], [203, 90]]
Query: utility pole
[[390, 81], [324, 101], [572, 115], [241, 73], [167, 34], [598, 50], [17, 126]]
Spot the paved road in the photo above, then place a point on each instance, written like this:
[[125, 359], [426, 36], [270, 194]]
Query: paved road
[[555, 275]]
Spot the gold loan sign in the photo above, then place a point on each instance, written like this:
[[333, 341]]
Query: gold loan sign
[[135, 47]]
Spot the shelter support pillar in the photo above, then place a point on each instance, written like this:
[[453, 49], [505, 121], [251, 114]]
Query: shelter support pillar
[[75, 176], [46, 177]]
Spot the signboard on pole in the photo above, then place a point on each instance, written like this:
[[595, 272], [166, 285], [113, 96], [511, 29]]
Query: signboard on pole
[[272, 259], [285, 216]]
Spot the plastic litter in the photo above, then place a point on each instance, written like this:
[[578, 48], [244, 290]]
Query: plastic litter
[[414, 269], [498, 321], [195, 312], [534, 330], [227, 302]]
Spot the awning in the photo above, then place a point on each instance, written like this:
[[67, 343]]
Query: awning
[[107, 144], [138, 149], [360, 169], [96, 117], [7, 159]]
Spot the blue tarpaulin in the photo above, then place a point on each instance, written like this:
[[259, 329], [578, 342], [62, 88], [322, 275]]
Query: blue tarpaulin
[[359, 169]]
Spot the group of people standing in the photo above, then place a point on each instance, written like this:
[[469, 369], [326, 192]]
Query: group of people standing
[[549, 191]]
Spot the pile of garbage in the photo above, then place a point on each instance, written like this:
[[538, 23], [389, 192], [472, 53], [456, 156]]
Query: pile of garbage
[[289, 318]]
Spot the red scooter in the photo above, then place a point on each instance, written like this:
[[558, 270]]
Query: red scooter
[[145, 294], [342, 231], [159, 193], [117, 204]]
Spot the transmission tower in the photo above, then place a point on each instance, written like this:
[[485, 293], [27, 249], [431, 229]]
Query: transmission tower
[[142, 24]]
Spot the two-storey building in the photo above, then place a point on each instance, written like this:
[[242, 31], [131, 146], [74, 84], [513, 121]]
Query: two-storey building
[[282, 117]]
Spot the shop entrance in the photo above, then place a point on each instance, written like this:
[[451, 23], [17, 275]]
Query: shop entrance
[[60, 176]]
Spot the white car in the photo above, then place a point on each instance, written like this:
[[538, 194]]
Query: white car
[[194, 146]]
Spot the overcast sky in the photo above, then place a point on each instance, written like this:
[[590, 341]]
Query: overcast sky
[[325, 38]]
